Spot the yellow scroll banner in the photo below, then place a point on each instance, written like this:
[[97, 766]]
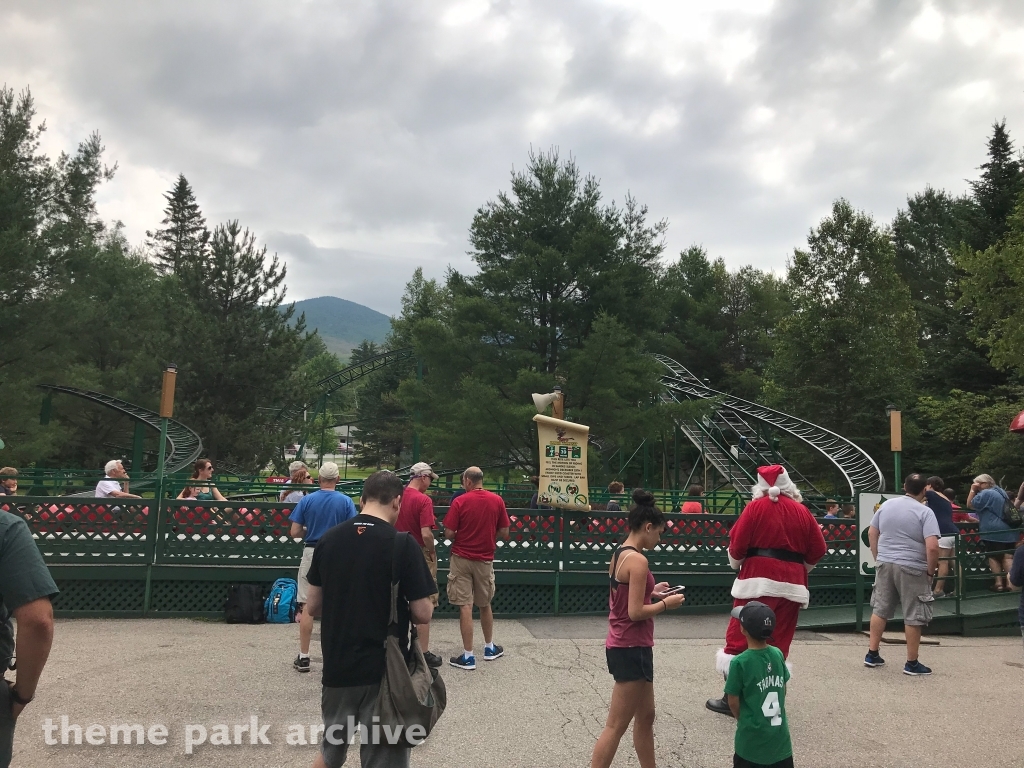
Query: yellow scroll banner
[[563, 464]]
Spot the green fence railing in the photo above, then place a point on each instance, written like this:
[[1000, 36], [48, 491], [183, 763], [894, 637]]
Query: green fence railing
[[114, 557]]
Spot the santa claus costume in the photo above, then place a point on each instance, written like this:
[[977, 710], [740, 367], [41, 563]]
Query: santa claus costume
[[774, 544]]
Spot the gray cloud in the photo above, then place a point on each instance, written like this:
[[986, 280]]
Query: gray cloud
[[358, 139]]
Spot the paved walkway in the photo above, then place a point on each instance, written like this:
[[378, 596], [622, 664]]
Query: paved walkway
[[541, 705]]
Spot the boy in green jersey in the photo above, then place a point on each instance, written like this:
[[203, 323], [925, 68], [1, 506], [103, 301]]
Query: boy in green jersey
[[756, 689]]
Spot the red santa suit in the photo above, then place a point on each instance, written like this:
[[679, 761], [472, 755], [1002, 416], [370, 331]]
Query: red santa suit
[[774, 544]]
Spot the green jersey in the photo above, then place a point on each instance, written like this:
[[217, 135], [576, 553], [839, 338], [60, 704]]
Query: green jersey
[[759, 678]]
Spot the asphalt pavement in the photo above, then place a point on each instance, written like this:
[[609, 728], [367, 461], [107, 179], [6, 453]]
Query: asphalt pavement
[[543, 704]]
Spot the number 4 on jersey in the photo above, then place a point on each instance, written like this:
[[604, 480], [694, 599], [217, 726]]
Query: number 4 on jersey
[[772, 709]]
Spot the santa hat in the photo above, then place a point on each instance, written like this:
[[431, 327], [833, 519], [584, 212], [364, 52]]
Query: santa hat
[[773, 481]]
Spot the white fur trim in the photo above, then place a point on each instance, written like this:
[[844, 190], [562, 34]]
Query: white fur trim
[[723, 660], [734, 563], [783, 484], [759, 586]]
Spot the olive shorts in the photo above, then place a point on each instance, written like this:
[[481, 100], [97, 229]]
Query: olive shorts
[[907, 587]]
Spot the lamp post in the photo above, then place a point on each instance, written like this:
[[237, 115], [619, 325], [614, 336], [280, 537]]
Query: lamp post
[[153, 525], [166, 412], [896, 439]]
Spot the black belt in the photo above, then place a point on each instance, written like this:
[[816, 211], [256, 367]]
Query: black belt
[[776, 554], [311, 544]]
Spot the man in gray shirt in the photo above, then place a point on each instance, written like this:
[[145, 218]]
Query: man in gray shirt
[[904, 539]]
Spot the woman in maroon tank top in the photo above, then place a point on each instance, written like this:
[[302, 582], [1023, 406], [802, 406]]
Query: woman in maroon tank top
[[633, 600]]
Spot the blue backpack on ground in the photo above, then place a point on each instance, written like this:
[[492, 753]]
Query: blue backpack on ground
[[279, 608]]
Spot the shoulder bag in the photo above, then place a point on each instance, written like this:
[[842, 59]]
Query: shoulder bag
[[411, 694]]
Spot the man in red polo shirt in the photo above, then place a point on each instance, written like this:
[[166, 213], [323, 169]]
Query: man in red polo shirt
[[416, 516], [474, 523]]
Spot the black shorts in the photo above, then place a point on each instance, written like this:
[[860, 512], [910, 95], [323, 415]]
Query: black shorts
[[739, 762], [629, 664], [995, 547]]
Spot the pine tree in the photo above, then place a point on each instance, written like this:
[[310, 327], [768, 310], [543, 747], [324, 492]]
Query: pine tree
[[184, 237], [996, 192]]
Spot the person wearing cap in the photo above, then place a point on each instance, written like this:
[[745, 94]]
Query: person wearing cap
[[416, 516], [312, 517], [756, 691], [774, 544]]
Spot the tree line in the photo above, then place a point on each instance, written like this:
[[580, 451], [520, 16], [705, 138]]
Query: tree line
[[922, 312], [81, 306], [569, 290]]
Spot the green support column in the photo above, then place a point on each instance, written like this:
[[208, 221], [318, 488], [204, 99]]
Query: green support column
[[153, 529], [675, 454]]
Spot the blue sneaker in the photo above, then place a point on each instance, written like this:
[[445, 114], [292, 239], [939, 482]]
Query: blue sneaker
[[490, 654], [463, 661], [916, 668], [873, 659]]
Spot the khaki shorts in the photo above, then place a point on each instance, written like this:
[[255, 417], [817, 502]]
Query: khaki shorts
[[432, 567], [909, 588], [470, 582], [302, 592]]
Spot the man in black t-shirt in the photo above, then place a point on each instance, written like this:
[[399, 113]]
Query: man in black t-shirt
[[350, 589]]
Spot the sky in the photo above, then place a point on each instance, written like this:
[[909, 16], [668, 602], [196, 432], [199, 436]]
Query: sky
[[358, 139]]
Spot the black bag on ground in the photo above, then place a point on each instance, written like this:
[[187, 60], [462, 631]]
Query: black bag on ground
[[411, 693], [244, 604]]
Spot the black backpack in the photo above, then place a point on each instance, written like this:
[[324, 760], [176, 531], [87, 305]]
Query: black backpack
[[1011, 515], [244, 604]]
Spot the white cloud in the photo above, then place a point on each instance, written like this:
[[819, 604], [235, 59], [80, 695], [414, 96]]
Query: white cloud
[[359, 138]]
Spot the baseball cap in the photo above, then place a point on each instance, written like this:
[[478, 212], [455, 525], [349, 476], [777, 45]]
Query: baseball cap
[[757, 618], [422, 468], [329, 471]]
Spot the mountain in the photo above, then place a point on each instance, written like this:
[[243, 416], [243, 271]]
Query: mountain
[[343, 324]]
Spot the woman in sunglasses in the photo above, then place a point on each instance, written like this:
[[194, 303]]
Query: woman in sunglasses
[[204, 490]]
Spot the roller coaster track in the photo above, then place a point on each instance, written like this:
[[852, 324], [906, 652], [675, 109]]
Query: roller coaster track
[[737, 462], [185, 444], [331, 384]]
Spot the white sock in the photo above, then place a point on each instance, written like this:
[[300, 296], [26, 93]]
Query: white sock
[[303, 655], [489, 646], [468, 653]]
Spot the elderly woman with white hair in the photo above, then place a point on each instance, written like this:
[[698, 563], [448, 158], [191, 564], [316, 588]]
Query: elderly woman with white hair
[[987, 500]]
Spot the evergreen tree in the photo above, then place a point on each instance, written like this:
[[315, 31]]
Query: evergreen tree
[[553, 261], [552, 257], [720, 323], [996, 192], [850, 345], [926, 236], [237, 353], [184, 236]]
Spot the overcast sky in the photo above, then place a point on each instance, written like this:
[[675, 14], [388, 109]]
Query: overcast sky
[[358, 138]]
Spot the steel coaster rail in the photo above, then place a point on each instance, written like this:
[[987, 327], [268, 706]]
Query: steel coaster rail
[[185, 444], [331, 384], [857, 468]]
